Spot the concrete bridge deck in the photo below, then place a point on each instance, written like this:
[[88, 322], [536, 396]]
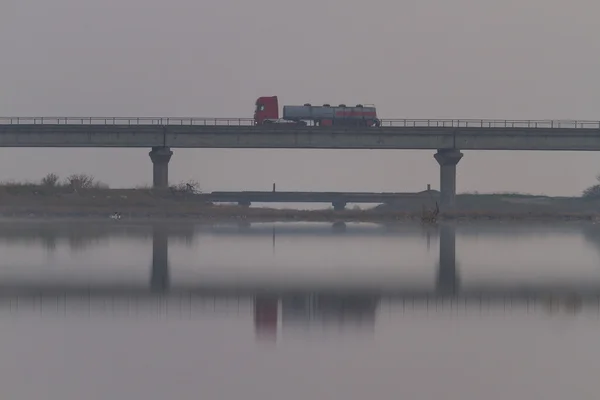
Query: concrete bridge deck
[[238, 133], [447, 136]]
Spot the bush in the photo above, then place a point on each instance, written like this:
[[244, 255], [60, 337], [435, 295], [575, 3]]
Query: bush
[[592, 192], [191, 187], [84, 181], [50, 180]]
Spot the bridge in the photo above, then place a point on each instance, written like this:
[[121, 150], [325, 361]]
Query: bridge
[[339, 200], [448, 137]]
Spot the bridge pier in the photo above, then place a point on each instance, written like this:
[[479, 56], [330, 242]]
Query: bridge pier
[[447, 159], [160, 157]]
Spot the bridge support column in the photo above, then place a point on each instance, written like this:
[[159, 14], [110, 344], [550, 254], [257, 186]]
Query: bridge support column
[[447, 158], [160, 157]]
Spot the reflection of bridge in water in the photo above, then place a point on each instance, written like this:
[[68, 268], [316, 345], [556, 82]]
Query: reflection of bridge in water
[[292, 304], [307, 311], [448, 283]]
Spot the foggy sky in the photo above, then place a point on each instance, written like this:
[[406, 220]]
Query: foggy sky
[[527, 59]]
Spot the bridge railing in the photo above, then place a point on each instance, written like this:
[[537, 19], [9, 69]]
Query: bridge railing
[[490, 123], [449, 123], [126, 121]]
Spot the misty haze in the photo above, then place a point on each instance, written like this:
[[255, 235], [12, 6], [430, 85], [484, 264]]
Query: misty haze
[[427, 59], [125, 276]]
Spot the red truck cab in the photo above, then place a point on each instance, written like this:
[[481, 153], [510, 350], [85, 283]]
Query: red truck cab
[[267, 108]]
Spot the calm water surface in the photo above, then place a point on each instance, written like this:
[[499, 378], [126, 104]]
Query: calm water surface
[[298, 311]]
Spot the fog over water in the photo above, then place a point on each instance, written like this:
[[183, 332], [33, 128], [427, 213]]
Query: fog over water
[[299, 311]]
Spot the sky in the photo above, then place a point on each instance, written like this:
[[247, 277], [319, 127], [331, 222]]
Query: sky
[[527, 59]]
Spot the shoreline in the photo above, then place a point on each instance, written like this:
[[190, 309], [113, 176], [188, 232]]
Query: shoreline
[[236, 214], [62, 203]]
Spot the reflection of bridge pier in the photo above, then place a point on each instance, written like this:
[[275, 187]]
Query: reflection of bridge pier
[[447, 277], [159, 279]]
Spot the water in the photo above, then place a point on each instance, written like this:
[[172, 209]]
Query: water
[[299, 311]]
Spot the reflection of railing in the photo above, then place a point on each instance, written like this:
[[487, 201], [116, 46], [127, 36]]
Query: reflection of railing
[[401, 122], [490, 123], [490, 292], [187, 307]]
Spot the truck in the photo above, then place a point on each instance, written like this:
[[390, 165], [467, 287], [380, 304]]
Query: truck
[[267, 112]]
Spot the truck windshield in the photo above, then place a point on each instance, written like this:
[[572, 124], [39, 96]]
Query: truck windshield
[[260, 107]]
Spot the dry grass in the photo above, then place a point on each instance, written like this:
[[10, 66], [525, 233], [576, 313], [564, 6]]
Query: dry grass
[[81, 195], [165, 208]]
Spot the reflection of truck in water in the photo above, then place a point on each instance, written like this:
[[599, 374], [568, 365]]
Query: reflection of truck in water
[[329, 309], [266, 316], [267, 112]]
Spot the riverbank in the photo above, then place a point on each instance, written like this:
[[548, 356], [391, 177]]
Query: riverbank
[[39, 202], [243, 214]]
